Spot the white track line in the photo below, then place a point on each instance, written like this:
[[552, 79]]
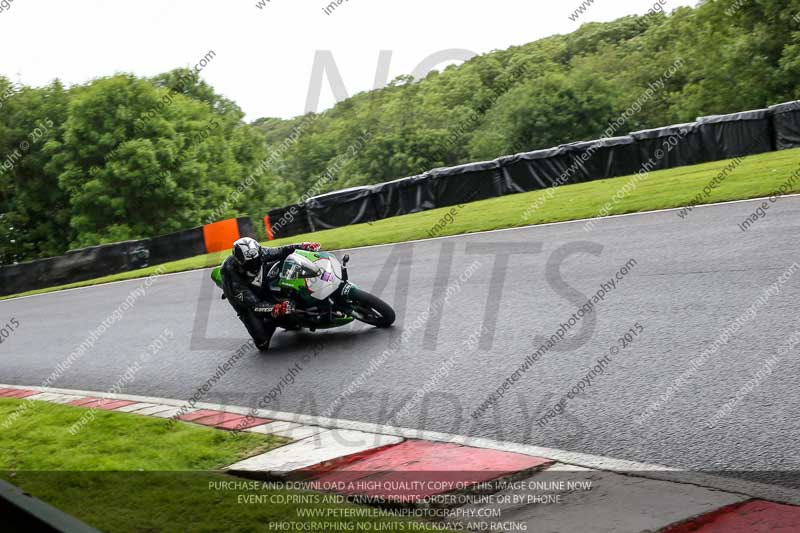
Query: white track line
[[597, 462], [460, 235]]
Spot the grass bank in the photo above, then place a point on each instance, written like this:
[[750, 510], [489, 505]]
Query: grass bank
[[125, 473], [753, 177]]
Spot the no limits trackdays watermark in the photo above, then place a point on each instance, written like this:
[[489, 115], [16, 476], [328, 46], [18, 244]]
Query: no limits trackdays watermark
[[516, 420], [420, 320], [398, 264], [273, 395]]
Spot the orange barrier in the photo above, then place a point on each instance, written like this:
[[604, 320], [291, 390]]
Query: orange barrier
[[268, 226], [220, 235]]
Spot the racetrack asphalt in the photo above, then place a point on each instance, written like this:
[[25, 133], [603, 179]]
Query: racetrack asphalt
[[692, 279]]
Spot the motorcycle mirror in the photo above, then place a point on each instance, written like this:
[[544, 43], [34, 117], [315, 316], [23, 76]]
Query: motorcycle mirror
[[345, 259]]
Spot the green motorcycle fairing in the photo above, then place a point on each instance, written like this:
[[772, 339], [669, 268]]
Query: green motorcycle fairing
[[297, 284], [216, 275]]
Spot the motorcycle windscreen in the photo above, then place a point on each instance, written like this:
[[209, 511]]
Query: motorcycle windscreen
[[328, 280], [295, 267]]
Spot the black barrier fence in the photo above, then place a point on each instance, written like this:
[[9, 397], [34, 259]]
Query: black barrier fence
[[541, 169], [737, 135], [287, 221], [710, 138], [341, 208], [605, 158], [187, 243], [107, 259], [403, 196], [671, 146], [467, 183], [245, 227], [786, 121]]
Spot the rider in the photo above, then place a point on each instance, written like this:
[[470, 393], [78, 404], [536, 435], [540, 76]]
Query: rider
[[247, 289]]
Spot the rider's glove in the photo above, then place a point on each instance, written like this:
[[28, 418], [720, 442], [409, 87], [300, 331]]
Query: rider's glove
[[282, 309], [310, 246]]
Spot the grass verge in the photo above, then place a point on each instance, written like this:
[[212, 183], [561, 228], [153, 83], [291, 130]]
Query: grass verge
[[125, 473], [40, 439], [756, 176]]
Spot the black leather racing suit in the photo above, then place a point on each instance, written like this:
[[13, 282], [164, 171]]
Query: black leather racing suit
[[248, 291]]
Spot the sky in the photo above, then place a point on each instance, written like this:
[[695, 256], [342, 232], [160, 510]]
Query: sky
[[264, 56]]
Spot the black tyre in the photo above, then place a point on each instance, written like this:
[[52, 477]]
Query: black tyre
[[371, 309]]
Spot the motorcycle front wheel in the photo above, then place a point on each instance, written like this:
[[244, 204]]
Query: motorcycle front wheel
[[370, 309]]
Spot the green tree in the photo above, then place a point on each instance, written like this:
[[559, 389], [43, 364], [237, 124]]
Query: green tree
[[35, 211], [126, 180]]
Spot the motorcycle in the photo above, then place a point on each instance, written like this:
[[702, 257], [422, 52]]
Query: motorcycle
[[323, 298]]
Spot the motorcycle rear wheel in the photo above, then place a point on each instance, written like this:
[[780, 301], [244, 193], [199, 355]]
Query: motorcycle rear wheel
[[370, 309]]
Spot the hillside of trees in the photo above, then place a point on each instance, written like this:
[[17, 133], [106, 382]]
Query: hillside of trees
[[122, 157]]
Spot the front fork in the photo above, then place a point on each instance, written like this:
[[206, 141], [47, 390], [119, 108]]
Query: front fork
[[345, 260], [344, 290]]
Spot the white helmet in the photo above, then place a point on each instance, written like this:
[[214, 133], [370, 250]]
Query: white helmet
[[247, 253]]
